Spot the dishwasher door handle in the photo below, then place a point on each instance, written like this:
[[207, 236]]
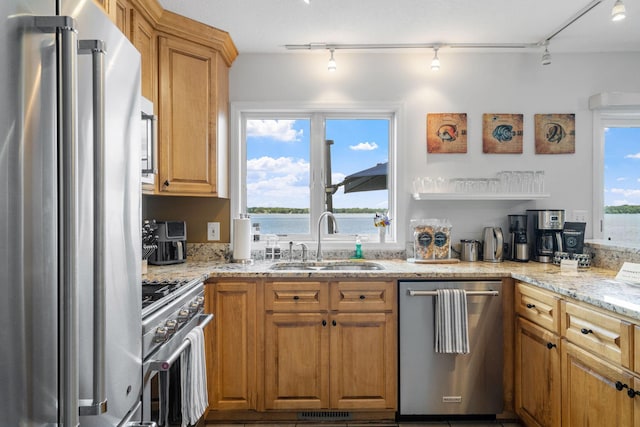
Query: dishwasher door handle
[[489, 293]]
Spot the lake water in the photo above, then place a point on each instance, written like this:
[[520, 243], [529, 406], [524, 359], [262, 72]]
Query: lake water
[[622, 227], [618, 227], [300, 224]]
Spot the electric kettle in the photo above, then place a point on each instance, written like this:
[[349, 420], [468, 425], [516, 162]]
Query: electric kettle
[[493, 244]]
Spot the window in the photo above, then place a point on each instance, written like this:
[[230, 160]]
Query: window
[[617, 196], [298, 164]]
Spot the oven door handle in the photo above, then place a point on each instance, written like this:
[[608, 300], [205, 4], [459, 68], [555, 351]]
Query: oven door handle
[[165, 364]]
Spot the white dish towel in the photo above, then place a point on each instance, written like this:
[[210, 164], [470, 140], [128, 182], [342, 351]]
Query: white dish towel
[[451, 322], [193, 377]]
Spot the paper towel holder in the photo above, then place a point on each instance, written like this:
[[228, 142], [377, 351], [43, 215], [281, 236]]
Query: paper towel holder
[[242, 240]]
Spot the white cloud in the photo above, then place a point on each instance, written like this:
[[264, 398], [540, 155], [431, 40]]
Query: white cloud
[[627, 192], [620, 202], [622, 178], [364, 146], [632, 156], [277, 182], [627, 196], [280, 130]]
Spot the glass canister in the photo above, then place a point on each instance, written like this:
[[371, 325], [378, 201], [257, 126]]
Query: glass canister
[[431, 239]]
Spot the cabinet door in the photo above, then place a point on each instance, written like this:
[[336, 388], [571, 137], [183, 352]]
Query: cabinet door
[[296, 361], [589, 393], [537, 375], [232, 375], [363, 361], [144, 39], [187, 98]]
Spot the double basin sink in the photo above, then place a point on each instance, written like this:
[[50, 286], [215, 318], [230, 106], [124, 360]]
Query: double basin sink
[[327, 266]]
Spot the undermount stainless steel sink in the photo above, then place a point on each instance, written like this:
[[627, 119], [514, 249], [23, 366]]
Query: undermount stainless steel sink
[[328, 266], [353, 266], [292, 266]]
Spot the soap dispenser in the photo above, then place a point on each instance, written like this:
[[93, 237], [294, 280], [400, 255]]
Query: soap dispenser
[[358, 254]]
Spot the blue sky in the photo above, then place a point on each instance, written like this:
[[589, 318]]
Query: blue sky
[[622, 166], [278, 156]]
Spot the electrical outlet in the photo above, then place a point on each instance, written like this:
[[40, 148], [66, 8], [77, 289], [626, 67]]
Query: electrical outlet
[[213, 231], [580, 216]]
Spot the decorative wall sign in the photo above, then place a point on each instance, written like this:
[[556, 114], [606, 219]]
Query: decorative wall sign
[[555, 133], [502, 133], [447, 133]]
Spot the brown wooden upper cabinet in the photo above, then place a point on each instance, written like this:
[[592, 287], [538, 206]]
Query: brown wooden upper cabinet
[[185, 72]]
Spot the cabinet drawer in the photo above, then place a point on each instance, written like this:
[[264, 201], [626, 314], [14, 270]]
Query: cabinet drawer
[[601, 334], [296, 296], [362, 296], [539, 306]]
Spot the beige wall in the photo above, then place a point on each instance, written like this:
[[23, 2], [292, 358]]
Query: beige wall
[[196, 211]]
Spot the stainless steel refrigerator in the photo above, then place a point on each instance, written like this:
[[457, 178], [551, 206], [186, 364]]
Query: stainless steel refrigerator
[[70, 351]]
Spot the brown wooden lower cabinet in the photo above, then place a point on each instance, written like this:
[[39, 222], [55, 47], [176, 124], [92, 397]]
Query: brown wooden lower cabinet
[[232, 364], [589, 393], [537, 379], [296, 361], [362, 361], [323, 358]]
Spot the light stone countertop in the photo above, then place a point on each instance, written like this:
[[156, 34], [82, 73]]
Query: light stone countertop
[[595, 286]]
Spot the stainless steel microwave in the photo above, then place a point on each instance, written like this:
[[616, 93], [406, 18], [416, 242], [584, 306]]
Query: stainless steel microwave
[[149, 149]]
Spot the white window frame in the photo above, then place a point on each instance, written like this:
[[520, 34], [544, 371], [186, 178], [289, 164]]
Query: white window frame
[[609, 110], [240, 111]]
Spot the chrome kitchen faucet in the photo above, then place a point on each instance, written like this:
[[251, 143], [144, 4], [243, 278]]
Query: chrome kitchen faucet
[[335, 229]]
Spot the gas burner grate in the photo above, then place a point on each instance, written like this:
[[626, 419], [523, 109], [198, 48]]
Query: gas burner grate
[[155, 290]]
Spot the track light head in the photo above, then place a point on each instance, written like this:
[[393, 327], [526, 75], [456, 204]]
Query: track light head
[[546, 56], [435, 62], [331, 66], [618, 12]]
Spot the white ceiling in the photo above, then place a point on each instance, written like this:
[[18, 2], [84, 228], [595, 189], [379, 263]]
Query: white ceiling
[[265, 26]]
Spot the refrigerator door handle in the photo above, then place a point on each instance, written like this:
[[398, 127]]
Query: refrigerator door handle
[[68, 276], [98, 404]]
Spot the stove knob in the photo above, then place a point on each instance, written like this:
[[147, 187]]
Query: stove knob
[[183, 315], [172, 326], [194, 307], [161, 335]]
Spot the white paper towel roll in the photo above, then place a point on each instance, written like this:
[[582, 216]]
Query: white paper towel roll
[[242, 239]]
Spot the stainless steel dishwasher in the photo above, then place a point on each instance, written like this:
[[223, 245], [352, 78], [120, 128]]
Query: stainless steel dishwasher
[[433, 383]]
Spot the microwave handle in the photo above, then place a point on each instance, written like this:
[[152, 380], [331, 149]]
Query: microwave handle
[[152, 143]]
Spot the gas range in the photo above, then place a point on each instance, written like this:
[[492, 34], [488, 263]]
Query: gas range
[[167, 307], [171, 310], [156, 290]]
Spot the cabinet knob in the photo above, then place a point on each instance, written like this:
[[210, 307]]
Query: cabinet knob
[[334, 323], [362, 297], [550, 345], [586, 331], [531, 306], [324, 322], [166, 183], [632, 393], [620, 386], [296, 297]]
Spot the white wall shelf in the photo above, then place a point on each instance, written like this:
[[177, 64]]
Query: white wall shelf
[[479, 196]]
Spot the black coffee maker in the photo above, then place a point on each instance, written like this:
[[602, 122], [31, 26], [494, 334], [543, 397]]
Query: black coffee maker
[[518, 244]]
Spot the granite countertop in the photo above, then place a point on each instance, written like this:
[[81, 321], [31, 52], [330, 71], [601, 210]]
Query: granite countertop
[[595, 286]]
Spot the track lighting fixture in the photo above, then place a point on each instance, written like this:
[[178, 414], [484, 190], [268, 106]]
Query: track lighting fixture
[[332, 63], [435, 62], [618, 12], [546, 56]]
